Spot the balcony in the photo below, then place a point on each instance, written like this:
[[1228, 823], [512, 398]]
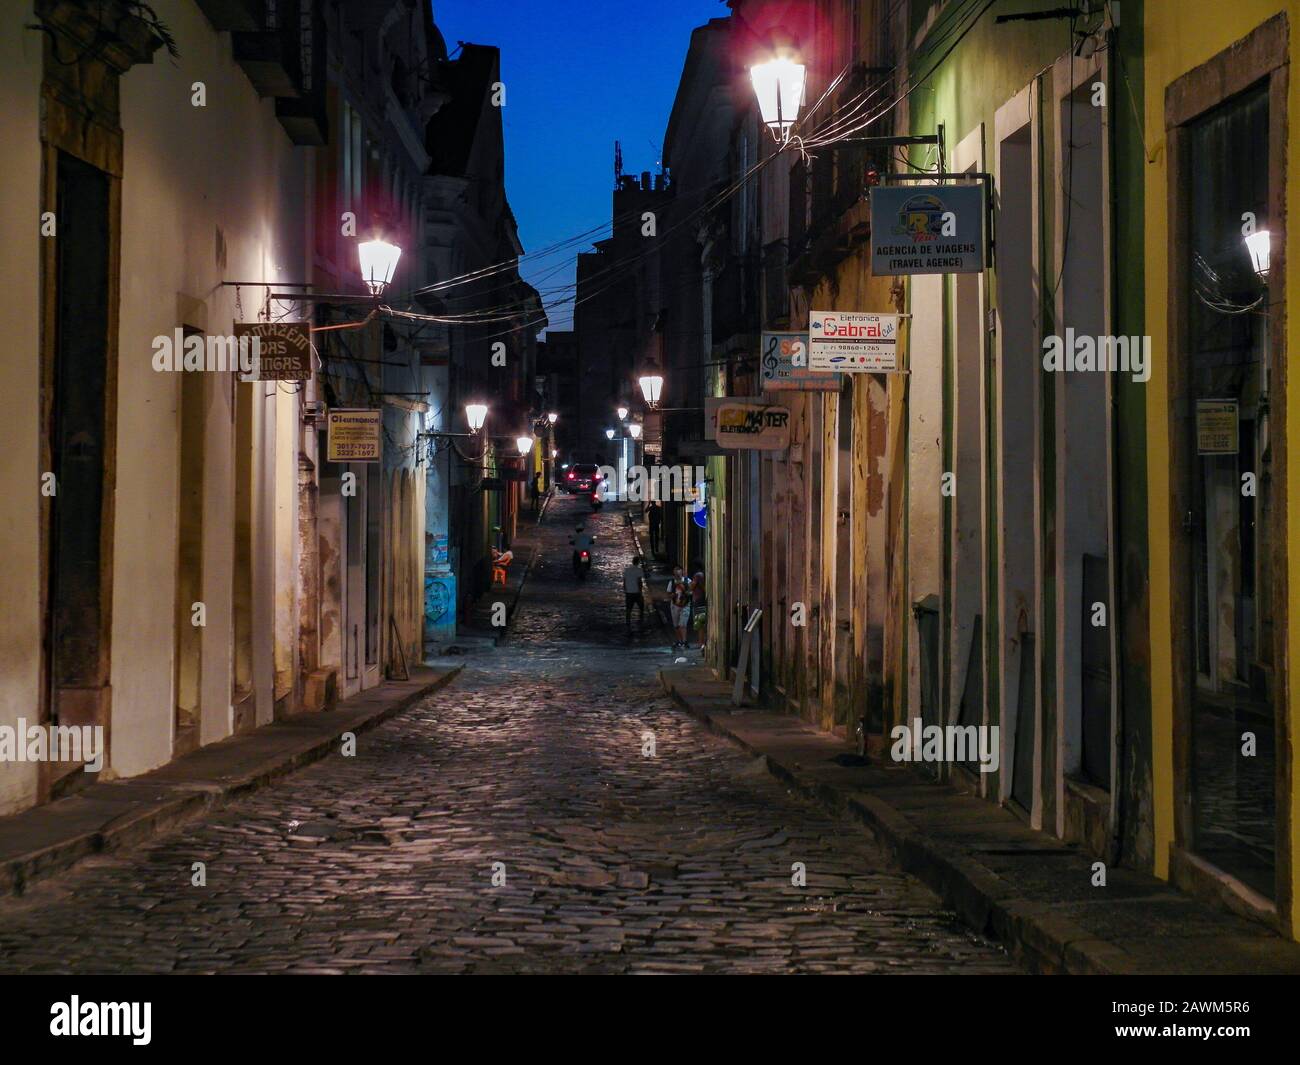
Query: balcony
[[271, 58], [280, 45], [234, 16]]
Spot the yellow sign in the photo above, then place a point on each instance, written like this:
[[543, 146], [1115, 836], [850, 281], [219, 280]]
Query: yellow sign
[[1216, 426], [355, 436], [758, 426]]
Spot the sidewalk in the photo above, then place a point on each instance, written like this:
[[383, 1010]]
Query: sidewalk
[[120, 813], [1025, 888]]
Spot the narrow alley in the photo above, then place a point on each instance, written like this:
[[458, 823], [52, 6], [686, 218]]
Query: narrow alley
[[613, 862]]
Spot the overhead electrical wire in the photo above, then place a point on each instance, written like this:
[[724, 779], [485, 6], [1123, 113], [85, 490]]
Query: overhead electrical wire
[[847, 122]]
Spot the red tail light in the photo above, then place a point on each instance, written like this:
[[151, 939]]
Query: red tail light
[[571, 476], [585, 556]]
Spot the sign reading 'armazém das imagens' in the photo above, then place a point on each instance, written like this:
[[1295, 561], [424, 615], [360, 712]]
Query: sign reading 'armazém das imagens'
[[759, 426], [284, 349], [934, 229]]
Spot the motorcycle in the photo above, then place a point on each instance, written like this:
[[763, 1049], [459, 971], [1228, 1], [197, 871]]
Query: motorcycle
[[581, 564], [581, 553]]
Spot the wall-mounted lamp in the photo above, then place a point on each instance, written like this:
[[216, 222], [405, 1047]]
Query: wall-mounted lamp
[[378, 263], [651, 387], [1258, 244], [779, 85]]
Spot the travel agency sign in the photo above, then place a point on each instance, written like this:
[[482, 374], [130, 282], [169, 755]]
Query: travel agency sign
[[935, 229]]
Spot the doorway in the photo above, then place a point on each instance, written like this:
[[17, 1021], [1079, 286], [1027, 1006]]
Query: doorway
[[1017, 450], [1230, 445], [77, 613]]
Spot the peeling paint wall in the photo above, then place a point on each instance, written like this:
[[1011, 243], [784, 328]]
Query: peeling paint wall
[[20, 176]]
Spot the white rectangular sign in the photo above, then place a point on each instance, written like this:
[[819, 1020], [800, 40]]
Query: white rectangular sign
[[852, 342]]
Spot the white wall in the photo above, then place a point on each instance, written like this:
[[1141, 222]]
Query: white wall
[[20, 173], [188, 171]]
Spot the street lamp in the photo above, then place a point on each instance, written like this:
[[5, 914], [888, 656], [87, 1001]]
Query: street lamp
[[525, 445], [554, 453], [651, 386], [609, 434], [1258, 244], [779, 85], [635, 429], [476, 415], [378, 262], [622, 414], [552, 417]]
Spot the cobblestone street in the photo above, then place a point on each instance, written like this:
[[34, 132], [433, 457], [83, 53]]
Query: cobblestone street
[[532, 758]]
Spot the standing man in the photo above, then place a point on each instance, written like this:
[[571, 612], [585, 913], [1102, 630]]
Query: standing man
[[632, 594], [656, 525]]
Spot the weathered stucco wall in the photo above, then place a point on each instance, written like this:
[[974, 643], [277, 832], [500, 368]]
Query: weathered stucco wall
[[20, 176]]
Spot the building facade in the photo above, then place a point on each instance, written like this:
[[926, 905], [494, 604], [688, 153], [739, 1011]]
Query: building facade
[[189, 559], [1088, 556]]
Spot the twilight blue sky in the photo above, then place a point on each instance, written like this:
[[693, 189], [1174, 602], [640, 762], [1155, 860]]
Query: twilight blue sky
[[579, 74]]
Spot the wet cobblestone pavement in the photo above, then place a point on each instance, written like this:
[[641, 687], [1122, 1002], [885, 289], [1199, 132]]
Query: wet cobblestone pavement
[[532, 758]]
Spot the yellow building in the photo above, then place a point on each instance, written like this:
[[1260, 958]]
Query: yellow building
[[1218, 107]]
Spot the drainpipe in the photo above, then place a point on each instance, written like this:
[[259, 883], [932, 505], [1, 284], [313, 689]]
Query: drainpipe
[[1117, 776]]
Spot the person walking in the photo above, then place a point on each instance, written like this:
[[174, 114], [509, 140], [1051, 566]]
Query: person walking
[[632, 594], [679, 603]]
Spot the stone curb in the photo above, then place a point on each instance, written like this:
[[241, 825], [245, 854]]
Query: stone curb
[[1041, 940], [165, 799]]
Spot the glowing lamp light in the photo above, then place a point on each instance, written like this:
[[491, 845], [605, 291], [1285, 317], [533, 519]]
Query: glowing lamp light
[[476, 415], [1258, 245], [524, 444], [609, 434], [635, 430], [554, 452], [378, 263], [622, 414], [651, 386], [779, 85], [552, 417]]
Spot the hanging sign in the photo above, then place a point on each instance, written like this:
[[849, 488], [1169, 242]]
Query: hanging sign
[[285, 349], [931, 229], [784, 360], [852, 342], [355, 436], [1216, 427], [758, 426]]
